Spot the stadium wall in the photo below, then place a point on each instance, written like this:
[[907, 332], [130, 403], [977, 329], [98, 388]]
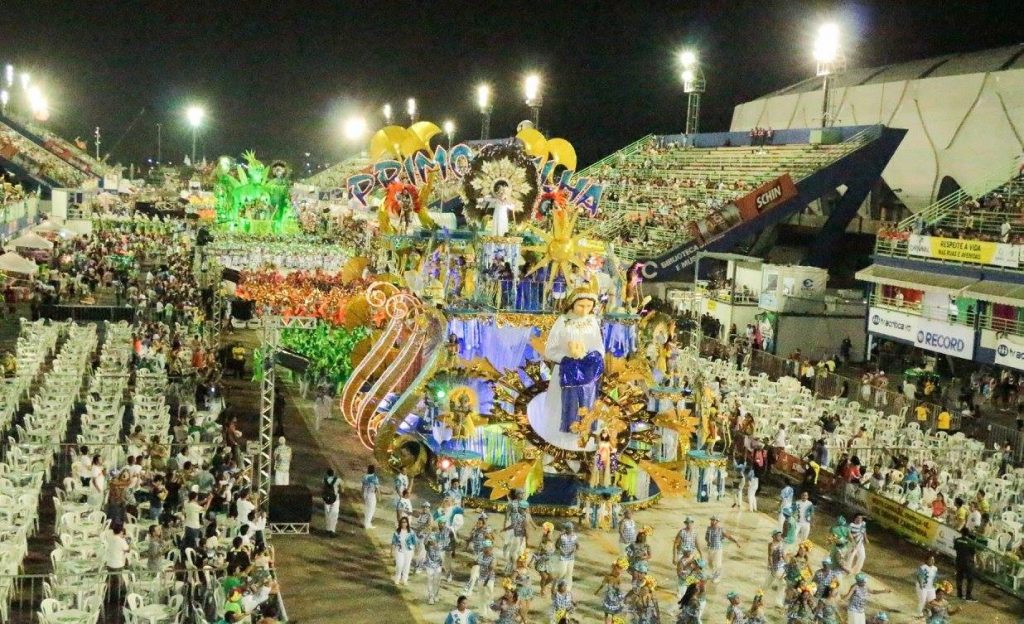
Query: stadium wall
[[969, 127]]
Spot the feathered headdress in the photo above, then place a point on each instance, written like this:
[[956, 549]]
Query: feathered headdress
[[391, 199]]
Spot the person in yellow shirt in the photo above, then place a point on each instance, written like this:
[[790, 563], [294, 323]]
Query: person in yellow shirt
[[943, 420], [921, 412]]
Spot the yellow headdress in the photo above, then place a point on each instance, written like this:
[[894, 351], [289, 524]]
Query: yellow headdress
[[622, 563], [525, 557], [650, 582], [547, 526], [508, 584], [584, 291]]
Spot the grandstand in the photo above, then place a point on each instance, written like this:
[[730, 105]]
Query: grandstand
[[336, 176], [657, 192], [27, 159]]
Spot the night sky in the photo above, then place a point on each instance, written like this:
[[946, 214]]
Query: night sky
[[279, 77]]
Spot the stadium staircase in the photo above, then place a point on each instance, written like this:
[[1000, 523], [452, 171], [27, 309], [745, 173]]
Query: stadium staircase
[[689, 184]]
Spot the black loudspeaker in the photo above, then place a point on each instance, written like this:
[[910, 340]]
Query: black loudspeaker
[[290, 504]]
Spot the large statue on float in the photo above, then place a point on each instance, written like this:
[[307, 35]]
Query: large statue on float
[[575, 347]]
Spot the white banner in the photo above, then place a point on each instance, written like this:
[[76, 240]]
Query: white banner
[[1009, 353], [955, 340], [892, 323], [929, 334]]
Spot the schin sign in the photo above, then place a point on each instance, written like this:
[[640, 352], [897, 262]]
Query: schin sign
[[454, 165]]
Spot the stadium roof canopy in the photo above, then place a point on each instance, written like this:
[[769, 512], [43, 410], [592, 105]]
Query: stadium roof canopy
[[985, 61]]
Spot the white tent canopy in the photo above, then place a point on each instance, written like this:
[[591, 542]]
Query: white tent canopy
[[11, 262], [31, 240]]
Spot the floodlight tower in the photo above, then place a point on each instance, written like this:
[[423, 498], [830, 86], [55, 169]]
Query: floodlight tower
[[410, 108], [483, 102], [693, 86], [194, 115], [534, 97], [831, 60]]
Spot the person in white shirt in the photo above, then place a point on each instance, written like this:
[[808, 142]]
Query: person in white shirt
[[194, 510], [83, 467], [115, 555], [974, 517], [778, 445], [925, 583], [785, 503], [804, 513], [98, 482], [243, 506]]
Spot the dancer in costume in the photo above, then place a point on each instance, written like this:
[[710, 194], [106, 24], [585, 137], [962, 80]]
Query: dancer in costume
[[517, 525], [776, 565], [606, 461], [371, 488], [433, 563], [642, 603], [507, 607], [692, 604], [576, 347], [403, 547], [639, 550], [627, 531], [801, 609], [524, 583], [827, 609], [804, 512], [686, 539], [734, 612], [461, 614], [562, 602], [567, 545], [937, 611], [612, 603], [857, 599], [544, 557], [756, 613], [483, 572], [715, 537]]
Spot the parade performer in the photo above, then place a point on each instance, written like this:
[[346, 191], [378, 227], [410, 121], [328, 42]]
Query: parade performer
[[639, 550], [433, 563], [517, 525], [282, 462], [858, 530], [371, 488], [483, 572], [937, 611], [612, 601], [642, 603], [544, 557], [606, 461], [924, 583], [686, 540], [450, 513], [857, 599], [827, 609], [562, 602], [507, 607], [801, 609], [785, 503], [576, 347], [567, 545], [734, 612], [804, 512], [776, 565], [756, 613], [461, 613], [627, 531], [524, 583], [691, 604], [715, 537], [403, 546], [422, 526]]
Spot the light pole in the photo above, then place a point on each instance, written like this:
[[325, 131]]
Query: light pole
[[483, 102], [534, 98], [693, 86], [159, 142], [830, 60], [97, 135], [387, 114], [194, 114], [410, 108], [449, 130]]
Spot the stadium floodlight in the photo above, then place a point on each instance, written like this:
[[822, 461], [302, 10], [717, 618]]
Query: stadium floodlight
[[9, 75], [410, 108], [693, 86], [828, 54], [25, 78], [826, 45], [355, 128], [387, 114], [194, 115], [483, 102], [449, 130], [534, 97]]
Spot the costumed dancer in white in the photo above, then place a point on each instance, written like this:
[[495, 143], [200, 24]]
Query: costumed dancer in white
[[332, 500], [371, 488], [925, 584], [403, 546], [282, 462]]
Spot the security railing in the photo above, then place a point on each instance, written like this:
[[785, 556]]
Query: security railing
[[917, 308], [1014, 327]]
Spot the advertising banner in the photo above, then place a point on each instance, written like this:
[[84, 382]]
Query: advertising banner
[[959, 250], [1009, 353], [955, 340], [892, 323], [766, 197]]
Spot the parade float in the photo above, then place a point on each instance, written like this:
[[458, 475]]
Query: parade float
[[509, 351]]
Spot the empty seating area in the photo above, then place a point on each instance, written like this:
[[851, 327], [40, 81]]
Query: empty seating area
[[652, 193]]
